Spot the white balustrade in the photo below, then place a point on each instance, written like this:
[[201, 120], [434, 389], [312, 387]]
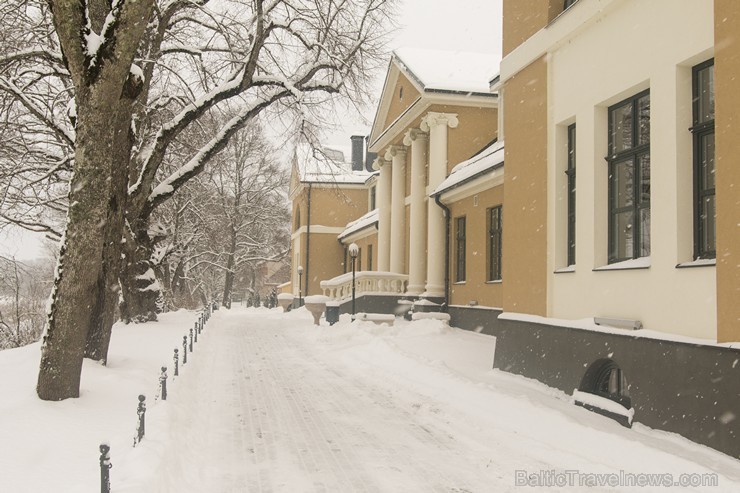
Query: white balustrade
[[366, 282]]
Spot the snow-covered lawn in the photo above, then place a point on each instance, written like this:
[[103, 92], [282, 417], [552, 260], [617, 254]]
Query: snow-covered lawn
[[269, 402]]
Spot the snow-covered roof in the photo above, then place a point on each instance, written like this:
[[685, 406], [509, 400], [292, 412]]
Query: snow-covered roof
[[331, 164], [449, 70], [359, 224], [489, 158]]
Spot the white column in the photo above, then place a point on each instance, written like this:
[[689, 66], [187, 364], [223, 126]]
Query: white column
[[417, 140], [436, 124], [383, 201], [398, 207]]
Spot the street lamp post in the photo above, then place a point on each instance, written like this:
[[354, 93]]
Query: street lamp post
[[354, 250], [300, 284]]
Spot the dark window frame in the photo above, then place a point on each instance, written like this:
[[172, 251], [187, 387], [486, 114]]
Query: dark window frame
[[636, 152], [370, 257], [495, 235], [571, 202], [460, 249], [700, 130], [372, 198], [568, 3]]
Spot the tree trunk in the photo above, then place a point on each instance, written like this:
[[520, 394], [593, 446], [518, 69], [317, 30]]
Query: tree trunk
[[103, 316], [79, 293], [90, 251], [230, 267], [140, 287]]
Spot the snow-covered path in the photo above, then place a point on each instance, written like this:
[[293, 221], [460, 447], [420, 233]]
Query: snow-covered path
[[272, 404], [272, 416]]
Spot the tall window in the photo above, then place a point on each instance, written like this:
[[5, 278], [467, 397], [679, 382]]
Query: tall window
[[494, 243], [705, 212], [571, 172], [369, 257], [297, 219], [460, 249], [372, 198], [629, 178]]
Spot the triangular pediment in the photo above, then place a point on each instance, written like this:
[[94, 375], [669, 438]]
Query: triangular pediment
[[400, 92], [419, 78]]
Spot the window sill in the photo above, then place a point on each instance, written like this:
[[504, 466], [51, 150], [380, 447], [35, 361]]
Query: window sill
[[565, 270], [459, 283], [702, 262], [497, 281], [632, 264]]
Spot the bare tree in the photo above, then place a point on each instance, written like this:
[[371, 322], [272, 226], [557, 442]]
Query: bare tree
[[226, 221], [144, 74], [22, 293], [252, 207]]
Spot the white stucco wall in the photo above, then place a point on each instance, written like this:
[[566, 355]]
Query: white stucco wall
[[635, 45]]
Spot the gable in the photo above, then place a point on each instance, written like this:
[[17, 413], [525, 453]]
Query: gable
[[400, 96]]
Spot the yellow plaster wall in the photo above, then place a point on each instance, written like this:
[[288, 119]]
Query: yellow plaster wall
[[525, 192], [476, 286], [399, 104], [327, 257], [477, 127], [363, 243], [334, 206], [523, 18], [727, 128]]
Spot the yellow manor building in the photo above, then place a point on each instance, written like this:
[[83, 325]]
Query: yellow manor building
[[579, 200]]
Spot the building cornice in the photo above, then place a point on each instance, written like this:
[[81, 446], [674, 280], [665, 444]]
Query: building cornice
[[485, 180], [317, 229], [560, 31]]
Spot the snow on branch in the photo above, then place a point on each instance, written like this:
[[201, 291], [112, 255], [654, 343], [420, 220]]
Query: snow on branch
[[168, 186]]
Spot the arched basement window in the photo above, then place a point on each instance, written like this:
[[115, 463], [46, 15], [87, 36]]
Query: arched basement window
[[604, 390], [606, 379]]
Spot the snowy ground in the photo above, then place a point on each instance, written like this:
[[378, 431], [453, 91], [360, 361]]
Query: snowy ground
[[268, 402]]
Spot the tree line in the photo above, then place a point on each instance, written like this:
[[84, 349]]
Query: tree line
[[113, 110]]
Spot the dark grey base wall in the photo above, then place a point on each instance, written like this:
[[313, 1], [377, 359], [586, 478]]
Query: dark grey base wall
[[375, 304], [476, 319], [689, 389]]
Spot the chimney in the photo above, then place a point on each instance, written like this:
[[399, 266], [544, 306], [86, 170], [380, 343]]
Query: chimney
[[357, 152], [370, 157]]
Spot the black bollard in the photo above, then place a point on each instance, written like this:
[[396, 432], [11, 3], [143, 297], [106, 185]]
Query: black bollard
[[196, 332], [184, 349], [177, 362], [141, 428], [191, 340], [163, 382], [105, 466]]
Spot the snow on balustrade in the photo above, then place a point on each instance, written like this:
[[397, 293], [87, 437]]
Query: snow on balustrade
[[366, 282]]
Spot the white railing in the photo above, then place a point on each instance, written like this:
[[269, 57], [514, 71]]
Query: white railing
[[366, 282]]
